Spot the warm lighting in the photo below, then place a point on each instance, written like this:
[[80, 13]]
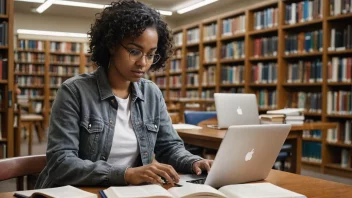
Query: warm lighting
[[45, 6], [51, 33], [195, 6]]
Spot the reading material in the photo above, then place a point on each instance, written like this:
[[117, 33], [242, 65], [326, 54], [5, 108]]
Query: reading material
[[251, 190], [59, 192]]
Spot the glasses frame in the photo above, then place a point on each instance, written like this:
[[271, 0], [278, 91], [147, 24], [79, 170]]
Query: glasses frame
[[143, 54]]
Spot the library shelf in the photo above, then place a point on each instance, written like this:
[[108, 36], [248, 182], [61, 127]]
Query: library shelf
[[224, 61], [338, 166], [174, 87], [339, 17], [66, 53], [61, 75], [160, 75], [176, 58], [175, 73], [31, 86], [266, 109], [263, 85], [192, 87], [302, 84], [3, 81], [302, 24], [4, 16], [212, 41], [303, 55], [339, 144], [30, 50], [3, 140], [232, 85], [192, 70], [29, 74], [193, 45], [269, 58], [210, 63], [55, 86], [311, 163], [263, 31], [4, 48], [2, 111], [342, 52], [232, 37], [339, 84], [65, 64], [339, 116], [33, 63], [312, 114], [311, 139], [208, 86]]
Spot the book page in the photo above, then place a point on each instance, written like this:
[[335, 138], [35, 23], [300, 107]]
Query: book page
[[195, 190], [138, 191], [60, 192], [258, 190]]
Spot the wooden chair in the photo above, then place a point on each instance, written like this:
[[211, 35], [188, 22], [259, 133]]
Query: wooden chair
[[28, 119], [18, 167]]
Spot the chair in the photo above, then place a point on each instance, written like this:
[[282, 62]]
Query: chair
[[18, 167], [194, 117], [28, 118]]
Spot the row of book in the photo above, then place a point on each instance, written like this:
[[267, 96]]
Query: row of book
[[32, 92], [193, 60], [315, 134], [3, 149], [267, 98], [304, 42], [232, 26], [29, 68], [3, 68], [305, 72], [311, 151], [160, 72], [30, 81], [266, 46], [338, 7], [266, 18], [233, 90], [53, 92], [208, 94], [192, 94], [178, 39], [30, 57], [173, 94], [309, 101], [178, 53], [340, 69], [264, 73], [293, 116], [232, 74], [209, 32], [4, 31], [175, 81], [193, 36], [192, 79], [161, 82], [341, 39], [340, 102], [303, 11], [209, 76], [57, 81], [210, 54], [65, 59], [175, 66], [3, 10], [31, 45], [346, 158], [62, 70], [343, 133], [233, 50], [65, 47]]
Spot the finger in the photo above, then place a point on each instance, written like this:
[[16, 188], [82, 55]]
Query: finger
[[154, 176], [170, 171], [211, 163], [163, 174], [206, 165], [197, 170], [148, 179]]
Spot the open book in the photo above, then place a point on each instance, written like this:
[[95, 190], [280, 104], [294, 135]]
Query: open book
[[59, 192], [258, 190]]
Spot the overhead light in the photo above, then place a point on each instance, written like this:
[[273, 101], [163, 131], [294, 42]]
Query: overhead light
[[163, 12], [195, 6], [51, 33], [84, 5], [45, 6]]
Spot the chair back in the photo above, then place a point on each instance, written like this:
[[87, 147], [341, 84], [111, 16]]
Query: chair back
[[18, 167], [194, 117]]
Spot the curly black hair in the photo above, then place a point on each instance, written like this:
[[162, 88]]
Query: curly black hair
[[127, 18]]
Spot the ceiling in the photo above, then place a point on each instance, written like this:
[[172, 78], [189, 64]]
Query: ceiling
[[167, 5]]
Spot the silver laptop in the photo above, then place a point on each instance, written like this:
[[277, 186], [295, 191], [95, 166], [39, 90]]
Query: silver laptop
[[236, 109], [247, 153]]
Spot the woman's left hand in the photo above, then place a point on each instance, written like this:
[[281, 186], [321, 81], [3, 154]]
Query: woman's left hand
[[203, 164]]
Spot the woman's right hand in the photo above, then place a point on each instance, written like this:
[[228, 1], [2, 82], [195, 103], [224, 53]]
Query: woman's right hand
[[152, 173]]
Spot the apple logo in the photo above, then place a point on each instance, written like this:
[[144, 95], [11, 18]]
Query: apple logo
[[239, 111], [249, 155]]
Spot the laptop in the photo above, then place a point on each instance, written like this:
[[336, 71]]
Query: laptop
[[247, 153], [235, 109]]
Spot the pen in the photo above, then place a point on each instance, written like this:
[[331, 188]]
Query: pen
[[19, 195]]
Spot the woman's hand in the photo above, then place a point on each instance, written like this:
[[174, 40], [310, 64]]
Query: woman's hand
[[152, 173], [203, 164]]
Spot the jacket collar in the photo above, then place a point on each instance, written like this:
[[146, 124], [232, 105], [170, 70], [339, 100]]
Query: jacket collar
[[105, 90]]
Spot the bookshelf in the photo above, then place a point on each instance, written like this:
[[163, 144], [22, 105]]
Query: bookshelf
[[287, 62], [6, 80], [41, 66]]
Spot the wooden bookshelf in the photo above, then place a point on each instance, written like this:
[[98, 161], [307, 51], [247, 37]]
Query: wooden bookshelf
[[7, 81], [281, 59]]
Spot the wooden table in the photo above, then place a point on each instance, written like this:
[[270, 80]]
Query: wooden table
[[308, 186], [211, 138]]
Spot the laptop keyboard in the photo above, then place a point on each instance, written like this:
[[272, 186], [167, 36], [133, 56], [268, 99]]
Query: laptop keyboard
[[197, 181]]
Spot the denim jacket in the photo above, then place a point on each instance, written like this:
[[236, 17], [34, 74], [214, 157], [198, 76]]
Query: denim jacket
[[82, 127]]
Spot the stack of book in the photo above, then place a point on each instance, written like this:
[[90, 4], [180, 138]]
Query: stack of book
[[292, 116]]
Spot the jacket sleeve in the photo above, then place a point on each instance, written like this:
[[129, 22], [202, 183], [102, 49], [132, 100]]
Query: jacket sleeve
[[64, 167], [169, 147]]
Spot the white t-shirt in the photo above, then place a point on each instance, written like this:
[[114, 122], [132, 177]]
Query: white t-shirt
[[125, 148]]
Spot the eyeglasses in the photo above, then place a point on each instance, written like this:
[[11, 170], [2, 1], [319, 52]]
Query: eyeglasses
[[136, 55]]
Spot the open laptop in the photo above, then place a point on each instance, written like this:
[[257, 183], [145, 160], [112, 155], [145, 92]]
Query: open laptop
[[235, 109], [247, 153]]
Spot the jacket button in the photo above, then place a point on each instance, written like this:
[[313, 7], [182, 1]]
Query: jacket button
[[110, 121], [89, 126]]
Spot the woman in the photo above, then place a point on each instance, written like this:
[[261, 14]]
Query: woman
[[106, 126]]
